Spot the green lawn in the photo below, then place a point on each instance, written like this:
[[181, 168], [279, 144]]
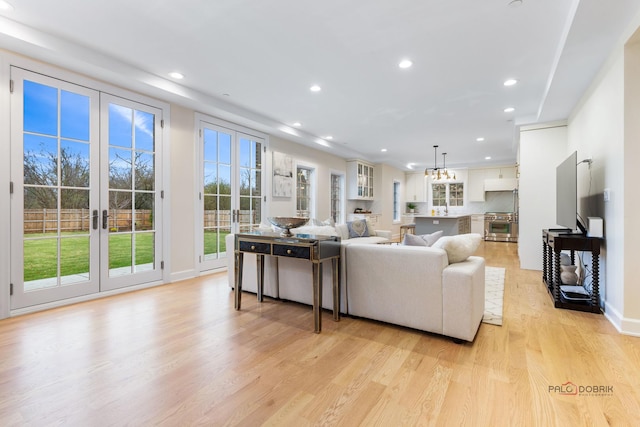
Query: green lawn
[[211, 241], [40, 255]]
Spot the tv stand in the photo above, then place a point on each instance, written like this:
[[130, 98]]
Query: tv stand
[[554, 241]]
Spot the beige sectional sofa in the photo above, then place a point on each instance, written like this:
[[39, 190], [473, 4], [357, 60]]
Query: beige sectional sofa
[[416, 287], [410, 286]]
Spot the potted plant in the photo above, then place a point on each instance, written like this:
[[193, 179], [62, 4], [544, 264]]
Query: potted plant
[[411, 207]]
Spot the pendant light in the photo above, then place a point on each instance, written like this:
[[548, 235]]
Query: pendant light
[[432, 172]]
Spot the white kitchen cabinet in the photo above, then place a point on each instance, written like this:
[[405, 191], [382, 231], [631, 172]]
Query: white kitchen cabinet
[[500, 173], [490, 179], [477, 224], [475, 185], [415, 187], [359, 180]]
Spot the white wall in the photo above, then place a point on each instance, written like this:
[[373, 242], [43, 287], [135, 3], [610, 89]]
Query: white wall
[[183, 189], [384, 177], [541, 150], [631, 318], [324, 164], [596, 130], [606, 127]]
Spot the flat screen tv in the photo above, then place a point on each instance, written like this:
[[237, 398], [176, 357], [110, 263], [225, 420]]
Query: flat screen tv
[[567, 194]]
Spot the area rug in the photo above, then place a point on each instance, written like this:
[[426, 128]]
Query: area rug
[[493, 292]]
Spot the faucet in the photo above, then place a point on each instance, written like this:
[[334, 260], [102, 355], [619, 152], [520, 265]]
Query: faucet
[[446, 208]]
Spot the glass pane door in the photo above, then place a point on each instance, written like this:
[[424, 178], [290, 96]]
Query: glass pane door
[[55, 172], [250, 168], [231, 192], [216, 193], [129, 216]]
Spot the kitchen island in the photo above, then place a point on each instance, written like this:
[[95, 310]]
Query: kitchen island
[[450, 224]]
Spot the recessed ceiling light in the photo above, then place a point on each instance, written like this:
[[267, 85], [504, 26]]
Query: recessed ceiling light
[[5, 6], [297, 124], [384, 150], [405, 63], [488, 158], [315, 88], [510, 82], [176, 75], [329, 137], [480, 139], [509, 110]]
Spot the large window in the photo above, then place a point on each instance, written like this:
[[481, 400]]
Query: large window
[[337, 183], [396, 201], [303, 192], [447, 194]]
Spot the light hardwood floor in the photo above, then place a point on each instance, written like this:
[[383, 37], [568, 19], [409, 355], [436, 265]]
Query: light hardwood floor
[[181, 355]]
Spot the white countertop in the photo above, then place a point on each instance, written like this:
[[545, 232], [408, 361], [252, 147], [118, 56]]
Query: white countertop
[[451, 216]]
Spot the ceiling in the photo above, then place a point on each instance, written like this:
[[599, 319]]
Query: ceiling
[[253, 62]]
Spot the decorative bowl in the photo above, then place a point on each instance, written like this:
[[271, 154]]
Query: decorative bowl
[[287, 223]]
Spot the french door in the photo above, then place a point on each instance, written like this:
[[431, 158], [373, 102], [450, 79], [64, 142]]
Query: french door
[[231, 189], [130, 195], [84, 201]]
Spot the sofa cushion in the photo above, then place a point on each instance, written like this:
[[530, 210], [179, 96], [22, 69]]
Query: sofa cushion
[[343, 231], [364, 240], [432, 238], [358, 228], [372, 231], [317, 230], [460, 247], [422, 239], [413, 240], [317, 222]]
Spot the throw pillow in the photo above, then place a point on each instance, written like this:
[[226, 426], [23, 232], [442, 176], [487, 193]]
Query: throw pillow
[[460, 247], [358, 228], [372, 231], [413, 240], [343, 231], [430, 239]]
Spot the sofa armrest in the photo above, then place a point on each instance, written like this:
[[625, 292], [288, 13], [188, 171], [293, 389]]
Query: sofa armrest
[[463, 298], [384, 233]]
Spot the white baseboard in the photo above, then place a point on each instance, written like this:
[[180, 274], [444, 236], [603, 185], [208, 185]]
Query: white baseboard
[[83, 298], [623, 325], [182, 275]]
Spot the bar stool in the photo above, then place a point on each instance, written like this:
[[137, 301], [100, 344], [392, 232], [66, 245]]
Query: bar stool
[[407, 229]]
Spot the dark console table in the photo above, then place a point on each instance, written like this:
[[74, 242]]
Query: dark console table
[[315, 249], [555, 241]]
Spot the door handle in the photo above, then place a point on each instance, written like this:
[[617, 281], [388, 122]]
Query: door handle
[[104, 219], [95, 219]]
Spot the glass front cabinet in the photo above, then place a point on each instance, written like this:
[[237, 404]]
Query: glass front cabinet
[[360, 180]]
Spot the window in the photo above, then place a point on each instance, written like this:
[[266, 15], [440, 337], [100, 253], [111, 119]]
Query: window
[[456, 194], [447, 194], [337, 182], [439, 194], [396, 201], [303, 192]]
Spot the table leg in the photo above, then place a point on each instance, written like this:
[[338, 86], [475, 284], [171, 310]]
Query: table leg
[[317, 297], [335, 273], [238, 282], [556, 278], [260, 267]]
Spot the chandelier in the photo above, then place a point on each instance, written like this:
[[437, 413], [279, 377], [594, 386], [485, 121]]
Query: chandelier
[[439, 174]]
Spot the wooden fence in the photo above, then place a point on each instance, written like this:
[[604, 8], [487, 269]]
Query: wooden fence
[[71, 220]]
